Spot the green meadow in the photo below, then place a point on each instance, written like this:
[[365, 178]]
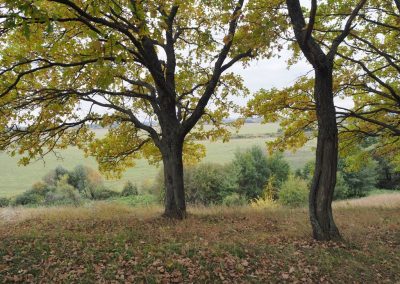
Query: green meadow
[[16, 179]]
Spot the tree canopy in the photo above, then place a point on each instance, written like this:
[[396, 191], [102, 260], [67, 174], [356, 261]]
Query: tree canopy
[[366, 74], [124, 65]]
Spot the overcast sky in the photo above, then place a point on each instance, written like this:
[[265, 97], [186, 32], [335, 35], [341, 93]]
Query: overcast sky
[[267, 74], [271, 73]]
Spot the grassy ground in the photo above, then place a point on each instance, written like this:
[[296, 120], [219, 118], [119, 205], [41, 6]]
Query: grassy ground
[[106, 242], [17, 179]]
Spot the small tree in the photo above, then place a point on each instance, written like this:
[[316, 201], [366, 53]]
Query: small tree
[[254, 169], [252, 172]]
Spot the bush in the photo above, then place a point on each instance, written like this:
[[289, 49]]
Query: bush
[[28, 198], [78, 178], [64, 194], [84, 179], [246, 176], [4, 202], [205, 184], [103, 193], [87, 181], [234, 199], [41, 188], [269, 195], [60, 186], [294, 192], [252, 172], [35, 196], [355, 182], [208, 183], [129, 189], [253, 169], [279, 169], [263, 202], [55, 175]]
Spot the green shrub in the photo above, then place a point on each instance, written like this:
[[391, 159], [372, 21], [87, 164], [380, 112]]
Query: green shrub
[[78, 178], [4, 202], [307, 171], [41, 188], [253, 170], [294, 192], [279, 169], [60, 186], [35, 196], [64, 194], [54, 176], [129, 189], [234, 199], [87, 181], [103, 193], [248, 173], [28, 198], [351, 182], [355, 182], [208, 183]]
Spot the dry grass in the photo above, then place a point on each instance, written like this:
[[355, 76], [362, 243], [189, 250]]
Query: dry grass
[[388, 200], [108, 242]]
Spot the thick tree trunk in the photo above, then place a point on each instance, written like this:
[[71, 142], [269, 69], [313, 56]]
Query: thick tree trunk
[[324, 180], [175, 205]]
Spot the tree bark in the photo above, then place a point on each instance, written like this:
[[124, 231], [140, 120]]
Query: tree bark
[[324, 180], [175, 205]]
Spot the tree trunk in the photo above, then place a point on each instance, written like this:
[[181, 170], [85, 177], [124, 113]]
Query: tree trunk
[[324, 180], [175, 205]]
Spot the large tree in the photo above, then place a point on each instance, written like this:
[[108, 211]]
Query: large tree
[[146, 70], [324, 179], [320, 50], [365, 71]]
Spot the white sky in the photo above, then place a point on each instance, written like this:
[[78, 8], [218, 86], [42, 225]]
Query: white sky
[[267, 74]]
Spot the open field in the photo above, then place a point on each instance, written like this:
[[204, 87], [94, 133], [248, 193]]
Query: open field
[[17, 179], [108, 242]]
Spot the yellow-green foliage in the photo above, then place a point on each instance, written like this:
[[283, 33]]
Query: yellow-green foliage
[[268, 197], [294, 192], [264, 202], [61, 72], [366, 72]]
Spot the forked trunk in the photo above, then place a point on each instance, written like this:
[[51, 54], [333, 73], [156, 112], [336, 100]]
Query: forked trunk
[[324, 180], [175, 205]]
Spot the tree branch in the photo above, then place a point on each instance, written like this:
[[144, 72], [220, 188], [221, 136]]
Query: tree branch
[[347, 28]]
